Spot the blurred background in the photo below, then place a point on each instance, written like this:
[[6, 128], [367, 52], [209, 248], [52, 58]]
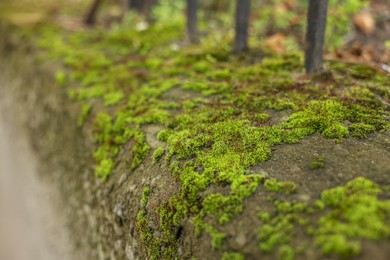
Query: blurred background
[[357, 31]]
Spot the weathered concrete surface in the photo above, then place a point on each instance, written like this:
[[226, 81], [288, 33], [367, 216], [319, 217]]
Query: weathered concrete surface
[[36, 169], [31, 226]]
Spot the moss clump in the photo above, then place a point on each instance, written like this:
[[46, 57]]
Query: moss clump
[[104, 169], [113, 98], [344, 216], [84, 113], [286, 253], [336, 130], [277, 232], [318, 163], [280, 227], [157, 154], [145, 196], [61, 78], [355, 213], [361, 130], [281, 187], [163, 135], [324, 117], [232, 256]]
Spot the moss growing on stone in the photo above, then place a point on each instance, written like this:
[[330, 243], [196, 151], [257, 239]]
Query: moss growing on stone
[[157, 154], [355, 213], [232, 256], [318, 163], [145, 196], [349, 214], [361, 130], [213, 141], [282, 187]]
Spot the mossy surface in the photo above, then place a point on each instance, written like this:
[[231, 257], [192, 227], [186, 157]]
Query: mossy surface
[[121, 78], [318, 163], [349, 214], [355, 213]]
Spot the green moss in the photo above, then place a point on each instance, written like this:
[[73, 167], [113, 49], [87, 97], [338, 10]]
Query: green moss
[[217, 238], [318, 163], [286, 252], [145, 196], [356, 213], [347, 215], [278, 232], [323, 117], [210, 142], [220, 74], [265, 217], [222, 208], [202, 66], [282, 187], [333, 197], [140, 149], [104, 169], [61, 78], [113, 98], [84, 113], [157, 154], [361, 130], [232, 256], [336, 130]]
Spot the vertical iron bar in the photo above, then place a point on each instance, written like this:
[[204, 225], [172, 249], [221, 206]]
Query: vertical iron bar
[[242, 23], [192, 20], [315, 35]]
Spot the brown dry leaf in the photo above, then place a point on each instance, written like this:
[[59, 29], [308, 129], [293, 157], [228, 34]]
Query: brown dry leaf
[[364, 22], [290, 4], [280, 9], [276, 43]]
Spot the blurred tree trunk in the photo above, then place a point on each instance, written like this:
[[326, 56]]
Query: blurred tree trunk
[[144, 7], [138, 5], [192, 20], [90, 17], [242, 23], [315, 35]]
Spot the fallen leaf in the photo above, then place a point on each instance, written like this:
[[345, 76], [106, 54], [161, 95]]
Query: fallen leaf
[[276, 43], [364, 22]]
